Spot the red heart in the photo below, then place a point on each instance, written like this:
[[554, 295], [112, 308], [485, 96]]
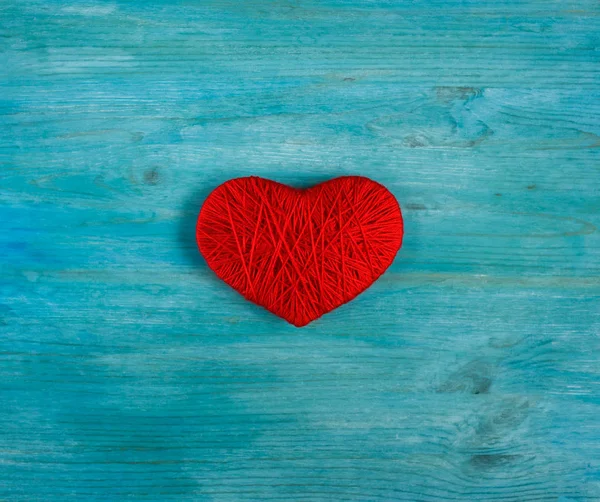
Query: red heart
[[299, 253]]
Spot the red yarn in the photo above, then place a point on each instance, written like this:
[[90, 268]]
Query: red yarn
[[299, 253]]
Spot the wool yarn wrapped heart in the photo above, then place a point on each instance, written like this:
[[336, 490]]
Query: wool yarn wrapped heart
[[299, 253]]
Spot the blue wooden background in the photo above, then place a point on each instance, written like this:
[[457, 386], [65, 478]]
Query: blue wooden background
[[470, 371]]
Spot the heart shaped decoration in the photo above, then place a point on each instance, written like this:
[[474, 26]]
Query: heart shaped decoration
[[299, 253]]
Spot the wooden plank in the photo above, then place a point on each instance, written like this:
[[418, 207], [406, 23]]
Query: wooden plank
[[470, 371]]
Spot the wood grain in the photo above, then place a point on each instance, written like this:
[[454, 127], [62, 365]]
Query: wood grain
[[469, 372]]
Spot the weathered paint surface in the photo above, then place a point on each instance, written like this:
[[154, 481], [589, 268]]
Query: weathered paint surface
[[471, 371]]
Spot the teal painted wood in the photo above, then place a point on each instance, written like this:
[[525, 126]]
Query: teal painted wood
[[469, 372]]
